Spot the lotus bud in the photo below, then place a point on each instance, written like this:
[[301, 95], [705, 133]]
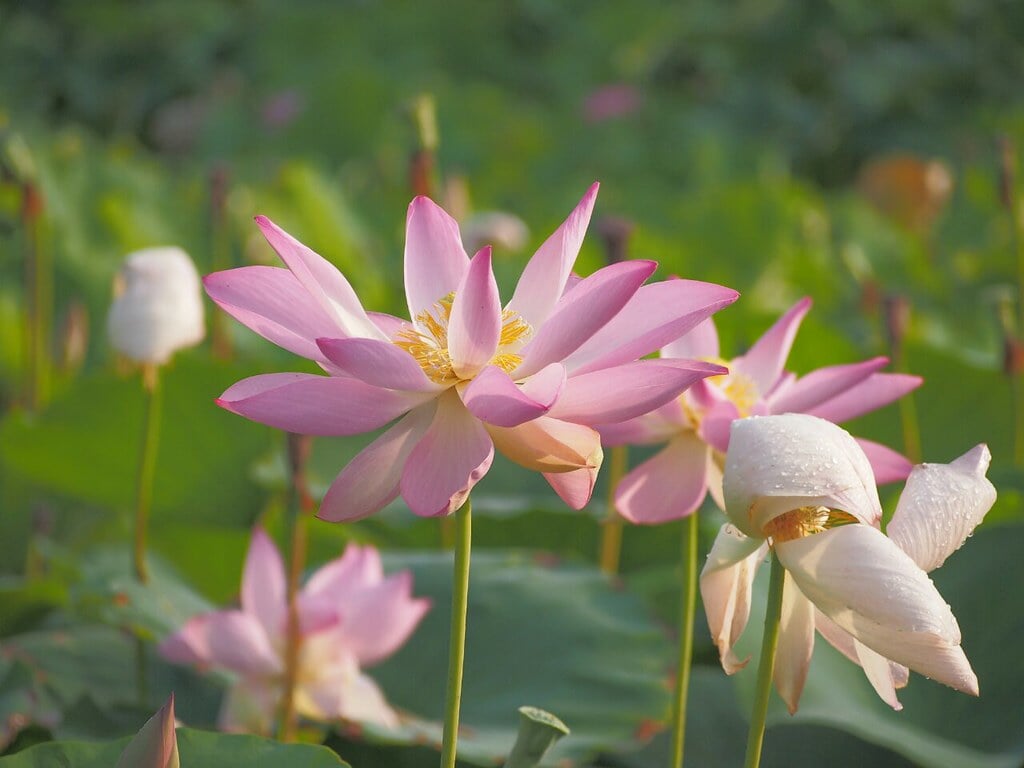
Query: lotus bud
[[155, 745]]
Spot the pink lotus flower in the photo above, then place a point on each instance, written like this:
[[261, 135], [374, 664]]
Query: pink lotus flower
[[467, 375], [804, 485], [350, 616], [674, 482], [156, 743]]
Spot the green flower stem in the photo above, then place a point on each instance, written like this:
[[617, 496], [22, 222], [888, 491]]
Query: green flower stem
[[457, 640], [766, 665], [686, 614], [611, 530], [147, 468]]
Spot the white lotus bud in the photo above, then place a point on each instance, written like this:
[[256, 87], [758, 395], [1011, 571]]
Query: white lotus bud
[[494, 228], [158, 307]]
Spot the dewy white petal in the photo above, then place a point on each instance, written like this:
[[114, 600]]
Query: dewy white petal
[[940, 506], [776, 464], [795, 646]]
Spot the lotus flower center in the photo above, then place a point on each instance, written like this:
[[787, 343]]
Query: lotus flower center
[[805, 521], [427, 341], [737, 387]]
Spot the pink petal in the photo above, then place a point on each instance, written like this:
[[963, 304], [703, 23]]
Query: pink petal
[[378, 363], [155, 745], [317, 405], [627, 391], [453, 454], [263, 584], [238, 642], [886, 680], [493, 397], [343, 692], [888, 465], [668, 486], [574, 488], [322, 280], [656, 315], [716, 424], [475, 324], [940, 507], [435, 261], [371, 480], [545, 276], [823, 384], [249, 707], [357, 569], [272, 302], [871, 394], [549, 445], [643, 430], [764, 361], [378, 620], [389, 325], [188, 645], [796, 644], [699, 343], [582, 312]]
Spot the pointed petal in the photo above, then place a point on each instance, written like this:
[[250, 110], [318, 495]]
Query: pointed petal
[[435, 260], [273, 303], [627, 391], [583, 312], [494, 398], [317, 405], [821, 385], [888, 465], [263, 584], [358, 568], [545, 276], [371, 480], [656, 315], [940, 506], [549, 445], [879, 673], [453, 454], [885, 682], [475, 324], [378, 620], [188, 645], [322, 280], [765, 361], [643, 430], [868, 586], [238, 642], [726, 584], [155, 745], [378, 363], [668, 486], [574, 488], [779, 463], [796, 644], [699, 343], [871, 394]]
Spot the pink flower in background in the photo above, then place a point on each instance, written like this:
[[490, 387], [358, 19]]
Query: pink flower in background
[[806, 486], [350, 616], [611, 101], [467, 374], [674, 482]]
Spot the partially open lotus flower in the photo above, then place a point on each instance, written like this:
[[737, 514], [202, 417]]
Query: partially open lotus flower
[[156, 744], [468, 374], [804, 487], [695, 426], [350, 616]]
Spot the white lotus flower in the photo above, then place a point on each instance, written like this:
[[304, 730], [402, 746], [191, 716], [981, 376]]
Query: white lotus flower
[[803, 486]]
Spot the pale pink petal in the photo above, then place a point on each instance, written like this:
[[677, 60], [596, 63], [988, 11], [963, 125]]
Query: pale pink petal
[[263, 583], [643, 430], [188, 645], [377, 620], [322, 280], [378, 363], [795, 645], [821, 385], [272, 302], [656, 315], [779, 463], [885, 681], [716, 424], [941, 505], [238, 642], [764, 361], [250, 706], [545, 276], [493, 397], [699, 343], [453, 454], [878, 670], [341, 691], [435, 260], [582, 312], [317, 405], [868, 586], [475, 324], [871, 394], [668, 486], [888, 465], [389, 325], [371, 480], [358, 568], [714, 478], [726, 584], [574, 488], [549, 445], [627, 391]]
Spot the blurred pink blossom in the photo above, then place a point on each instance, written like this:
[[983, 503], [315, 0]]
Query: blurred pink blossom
[[610, 101]]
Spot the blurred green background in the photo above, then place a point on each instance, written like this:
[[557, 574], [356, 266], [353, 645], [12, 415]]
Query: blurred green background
[[859, 154]]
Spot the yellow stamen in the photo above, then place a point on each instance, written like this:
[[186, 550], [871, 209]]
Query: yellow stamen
[[805, 521], [739, 388]]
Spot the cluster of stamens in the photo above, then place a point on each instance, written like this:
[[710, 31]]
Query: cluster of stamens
[[805, 521]]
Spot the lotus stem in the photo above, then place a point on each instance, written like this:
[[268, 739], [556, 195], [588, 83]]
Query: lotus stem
[[766, 665], [147, 467], [686, 615], [457, 639], [611, 530]]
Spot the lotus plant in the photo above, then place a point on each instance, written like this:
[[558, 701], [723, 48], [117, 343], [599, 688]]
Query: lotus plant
[[350, 616], [803, 487]]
